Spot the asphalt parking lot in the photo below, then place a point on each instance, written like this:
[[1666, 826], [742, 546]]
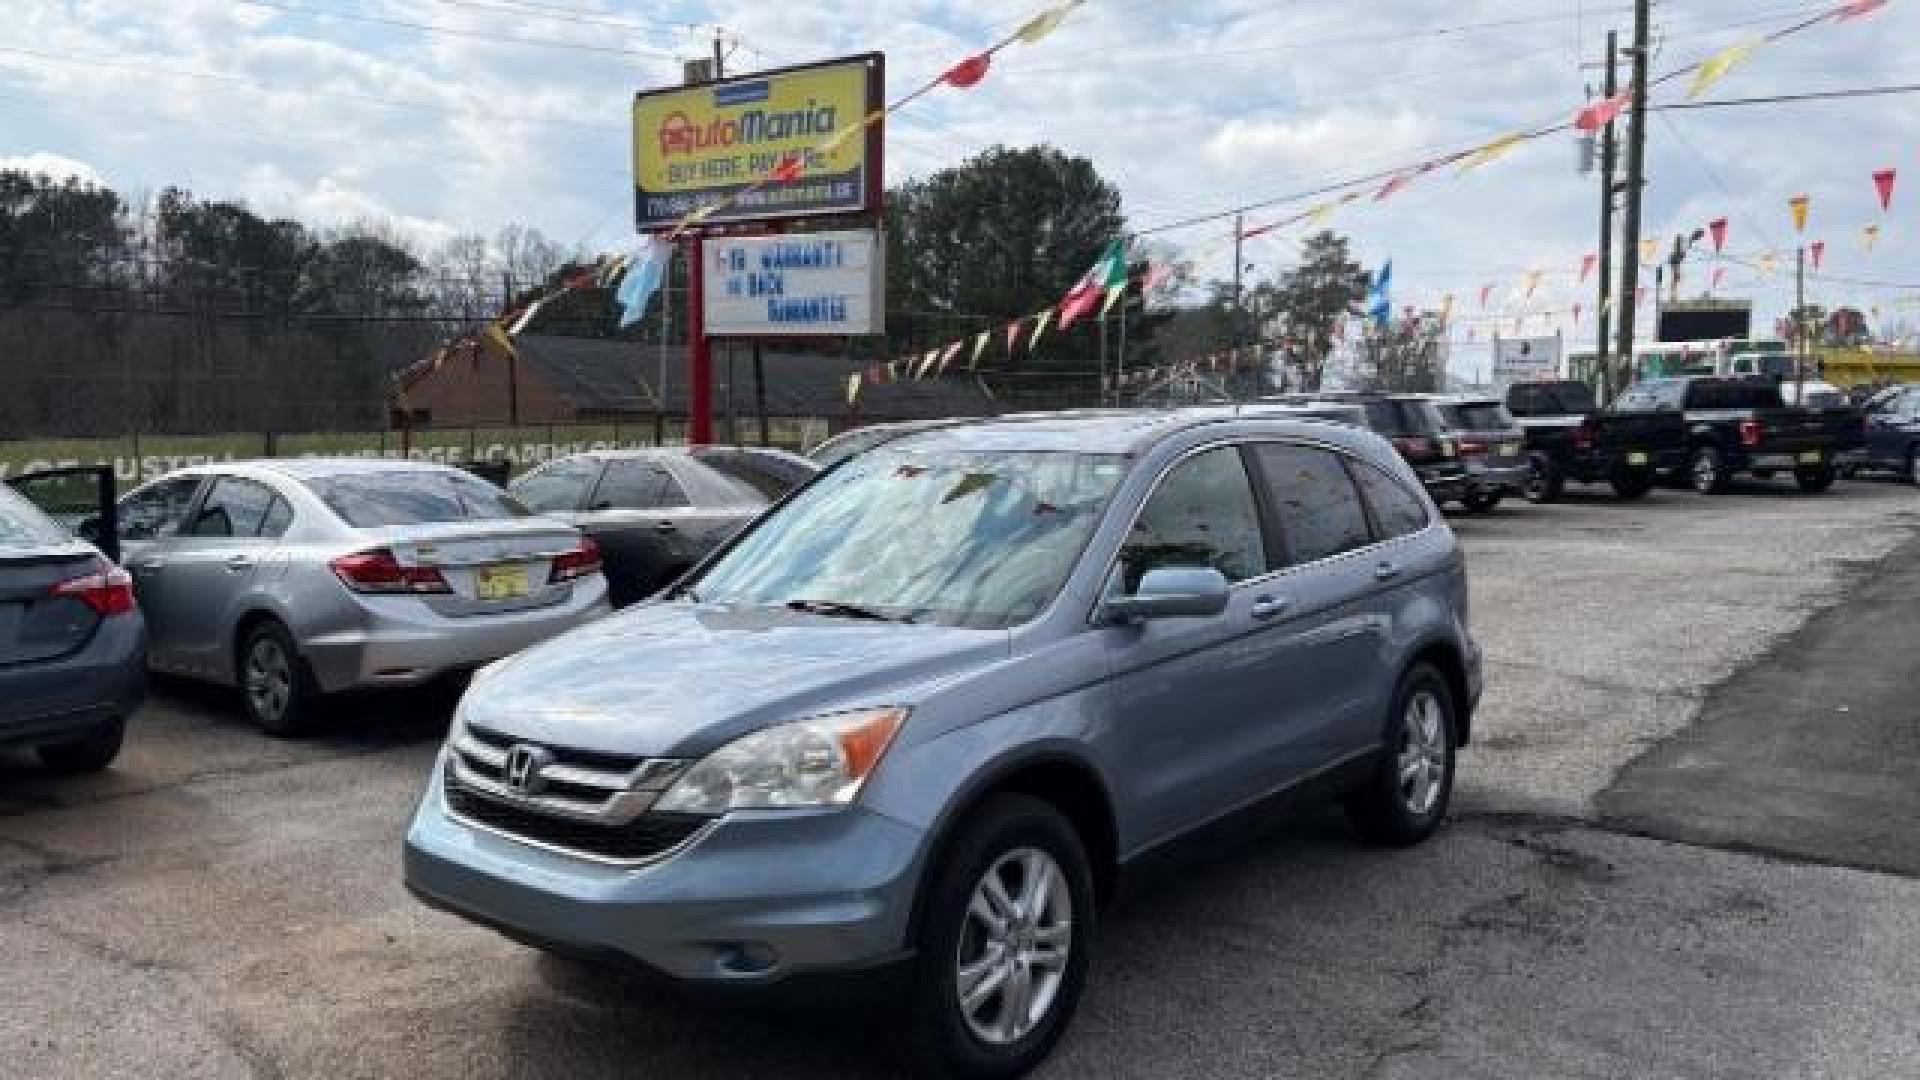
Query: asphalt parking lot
[[1683, 847]]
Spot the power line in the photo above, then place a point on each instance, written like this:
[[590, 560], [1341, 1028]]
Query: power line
[[479, 35]]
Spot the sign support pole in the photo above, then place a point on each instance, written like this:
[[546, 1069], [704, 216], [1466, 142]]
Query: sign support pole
[[699, 350]]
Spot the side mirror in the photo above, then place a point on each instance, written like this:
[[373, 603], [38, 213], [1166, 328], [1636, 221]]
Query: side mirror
[[1174, 592]]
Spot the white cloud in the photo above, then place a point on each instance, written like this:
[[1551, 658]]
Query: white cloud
[[57, 166]]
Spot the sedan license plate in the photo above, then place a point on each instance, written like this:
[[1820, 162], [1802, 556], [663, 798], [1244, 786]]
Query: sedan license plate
[[1509, 450], [1637, 457], [503, 582], [1809, 457]]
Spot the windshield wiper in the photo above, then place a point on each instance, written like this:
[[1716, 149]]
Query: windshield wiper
[[837, 610]]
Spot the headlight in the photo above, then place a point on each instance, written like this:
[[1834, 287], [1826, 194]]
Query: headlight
[[817, 762]]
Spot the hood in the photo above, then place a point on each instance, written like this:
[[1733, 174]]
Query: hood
[[680, 679]]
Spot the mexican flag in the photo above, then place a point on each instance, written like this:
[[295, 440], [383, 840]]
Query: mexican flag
[[1108, 274]]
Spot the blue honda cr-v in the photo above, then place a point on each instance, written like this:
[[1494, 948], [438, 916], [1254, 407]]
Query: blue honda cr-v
[[929, 709]]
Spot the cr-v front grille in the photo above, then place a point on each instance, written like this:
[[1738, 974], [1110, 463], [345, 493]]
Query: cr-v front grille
[[589, 803]]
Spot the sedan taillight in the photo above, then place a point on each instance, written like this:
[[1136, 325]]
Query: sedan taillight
[[108, 592], [377, 571], [1752, 432], [578, 563]]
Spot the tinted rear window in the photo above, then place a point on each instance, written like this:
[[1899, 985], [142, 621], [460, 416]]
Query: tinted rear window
[[1400, 418], [770, 477], [1733, 395], [1477, 416], [21, 525], [1547, 399], [375, 499]]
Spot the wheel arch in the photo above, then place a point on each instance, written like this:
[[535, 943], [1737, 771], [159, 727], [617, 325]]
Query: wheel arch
[[251, 616], [1062, 779], [1444, 656]]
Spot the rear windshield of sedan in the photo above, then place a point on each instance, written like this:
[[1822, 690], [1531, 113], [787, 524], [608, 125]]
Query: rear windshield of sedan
[[21, 525], [373, 500], [1477, 416]]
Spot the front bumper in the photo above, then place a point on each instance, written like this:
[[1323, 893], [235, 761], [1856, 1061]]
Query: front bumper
[[1505, 476], [105, 681], [750, 901], [397, 641]]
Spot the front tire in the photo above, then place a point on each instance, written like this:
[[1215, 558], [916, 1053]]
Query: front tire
[[1004, 945], [1708, 471], [1815, 480], [1406, 798], [86, 755], [1632, 483], [275, 685], [1480, 502], [1544, 482]]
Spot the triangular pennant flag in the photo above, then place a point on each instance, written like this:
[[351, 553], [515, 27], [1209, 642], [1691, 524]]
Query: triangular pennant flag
[[1039, 327], [1883, 185], [1717, 228], [497, 334], [1320, 213], [1799, 204], [1768, 262], [1492, 151], [1858, 9], [968, 72], [1485, 291], [1715, 67], [1868, 235], [1586, 265], [846, 134], [979, 346], [1446, 308], [1013, 336], [1598, 114], [1817, 249], [1533, 282], [1719, 275], [1113, 297], [853, 388], [1649, 249], [1109, 274], [1045, 23], [1576, 312], [946, 357], [1388, 189]]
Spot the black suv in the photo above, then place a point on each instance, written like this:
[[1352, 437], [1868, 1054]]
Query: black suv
[[1415, 426]]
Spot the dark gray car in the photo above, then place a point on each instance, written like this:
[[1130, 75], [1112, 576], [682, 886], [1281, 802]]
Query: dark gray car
[[928, 711], [72, 643], [657, 512]]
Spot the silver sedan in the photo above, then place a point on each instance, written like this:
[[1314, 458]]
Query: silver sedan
[[292, 579]]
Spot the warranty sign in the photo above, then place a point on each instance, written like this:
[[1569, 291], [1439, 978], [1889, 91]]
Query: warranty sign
[[695, 146]]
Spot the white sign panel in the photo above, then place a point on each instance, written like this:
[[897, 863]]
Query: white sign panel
[[797, 285], [1522, 359]]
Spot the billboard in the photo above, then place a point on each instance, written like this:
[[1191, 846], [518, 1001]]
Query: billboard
[[795, 285], [1705, 321], [695, 145], [1525, 359]]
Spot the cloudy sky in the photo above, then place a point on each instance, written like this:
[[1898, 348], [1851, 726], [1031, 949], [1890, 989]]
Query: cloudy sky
[[464, 115]]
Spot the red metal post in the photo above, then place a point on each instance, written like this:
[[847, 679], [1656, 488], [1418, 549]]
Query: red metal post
[[699, 354]]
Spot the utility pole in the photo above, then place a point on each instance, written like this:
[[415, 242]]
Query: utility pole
[[699, 350], [1601, 308], [1239, 312], [1636, 184], [1800, 323]]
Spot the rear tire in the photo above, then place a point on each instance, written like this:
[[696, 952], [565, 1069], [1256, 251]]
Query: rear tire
[[1544, 482], [275, 686], [85, 755], [1406, 798], [1815, 480], [1632, 483], [1708, 470], [1913, 466], [1480, 501], [1039, 953]]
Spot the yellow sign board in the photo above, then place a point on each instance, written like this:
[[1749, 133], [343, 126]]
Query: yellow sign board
[[694, 146]]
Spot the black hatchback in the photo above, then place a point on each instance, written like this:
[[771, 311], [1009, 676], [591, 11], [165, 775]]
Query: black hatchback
[[73, 648]]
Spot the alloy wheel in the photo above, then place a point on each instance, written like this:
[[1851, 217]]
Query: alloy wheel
[[269, 679], [1014, 944], [1422, 762]]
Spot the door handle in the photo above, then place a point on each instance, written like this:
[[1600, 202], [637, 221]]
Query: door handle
[[665, 527], [237, 563], [1386, 571], [1266, 607], [147, 566]]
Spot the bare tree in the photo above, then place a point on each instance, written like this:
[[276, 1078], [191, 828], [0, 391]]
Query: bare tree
[[1402, 357]]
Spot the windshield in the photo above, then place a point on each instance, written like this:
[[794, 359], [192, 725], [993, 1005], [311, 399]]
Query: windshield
[[1550, 398], [1477, 416], [980, 540], [373, 500], [21, 525]]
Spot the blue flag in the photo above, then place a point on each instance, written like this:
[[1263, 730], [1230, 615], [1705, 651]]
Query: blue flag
[[644, 273], [1378, 304]]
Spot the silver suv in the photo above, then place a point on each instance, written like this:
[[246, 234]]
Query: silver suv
[[928, 711]]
